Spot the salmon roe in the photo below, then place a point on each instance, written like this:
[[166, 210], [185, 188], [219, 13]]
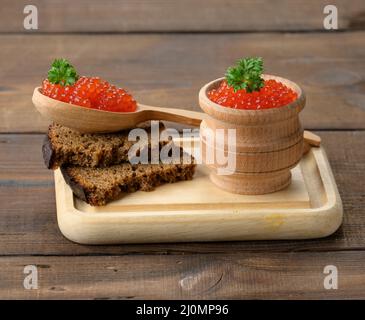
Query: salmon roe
[[273, 94], [91, 92]]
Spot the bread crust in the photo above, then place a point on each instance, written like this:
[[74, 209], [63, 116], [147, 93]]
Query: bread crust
[[76, 187], [98, 186], [97, 168], [48, 153], [66, 147]]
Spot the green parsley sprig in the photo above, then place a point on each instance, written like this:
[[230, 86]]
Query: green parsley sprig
[[62, 72], [246, 75]]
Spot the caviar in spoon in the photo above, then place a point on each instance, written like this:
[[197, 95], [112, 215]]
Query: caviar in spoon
[[244, 88], [64, 84]]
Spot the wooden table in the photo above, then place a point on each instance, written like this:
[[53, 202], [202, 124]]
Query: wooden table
[[163, 52]]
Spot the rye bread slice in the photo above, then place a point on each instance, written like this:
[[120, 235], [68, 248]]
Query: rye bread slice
[[63, 146], [98, 186]]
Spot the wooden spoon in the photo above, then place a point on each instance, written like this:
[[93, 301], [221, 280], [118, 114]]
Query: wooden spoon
[[93, 120]]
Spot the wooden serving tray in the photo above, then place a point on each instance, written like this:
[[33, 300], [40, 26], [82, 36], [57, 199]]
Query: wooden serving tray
[[199, 211]]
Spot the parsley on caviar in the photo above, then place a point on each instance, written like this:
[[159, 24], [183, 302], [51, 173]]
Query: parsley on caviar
[[62, 72], [246, 75]]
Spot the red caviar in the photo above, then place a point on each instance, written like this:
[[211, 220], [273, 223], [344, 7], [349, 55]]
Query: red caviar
[[91, 92], [273, 94]]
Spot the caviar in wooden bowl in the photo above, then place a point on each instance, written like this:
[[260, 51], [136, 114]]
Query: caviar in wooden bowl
[[269, 136]]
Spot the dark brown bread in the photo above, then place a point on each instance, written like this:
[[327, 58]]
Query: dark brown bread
[[98, 186], [64, 146]]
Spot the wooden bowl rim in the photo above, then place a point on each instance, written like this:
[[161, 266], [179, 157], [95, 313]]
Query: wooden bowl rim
[[298, 103]]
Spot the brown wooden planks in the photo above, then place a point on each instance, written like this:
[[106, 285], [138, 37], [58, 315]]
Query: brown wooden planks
[[28, 212], [179, 16], [210, 276], [164, 69], [168, 70]]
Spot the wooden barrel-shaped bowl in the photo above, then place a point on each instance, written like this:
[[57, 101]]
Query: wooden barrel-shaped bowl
[[268, 142]]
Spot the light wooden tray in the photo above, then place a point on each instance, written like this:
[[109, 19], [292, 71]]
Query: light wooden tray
[[199, 211]]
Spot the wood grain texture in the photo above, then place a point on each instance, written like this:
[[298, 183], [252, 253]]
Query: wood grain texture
[[93, 120], [208, 276], [177, 16], [197, 210], [28, 210], [257, 170], [169, 70]]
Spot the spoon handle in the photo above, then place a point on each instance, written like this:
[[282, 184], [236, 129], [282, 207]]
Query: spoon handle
[[187, 117], [310, 140]]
